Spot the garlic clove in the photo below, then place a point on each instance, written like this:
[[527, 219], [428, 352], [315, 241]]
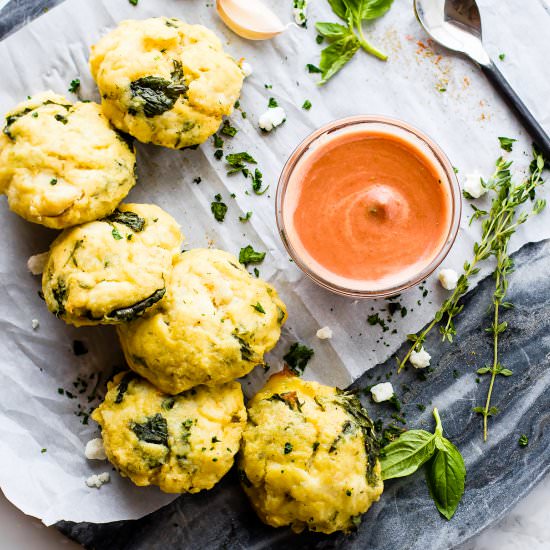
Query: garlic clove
[[250, 19]]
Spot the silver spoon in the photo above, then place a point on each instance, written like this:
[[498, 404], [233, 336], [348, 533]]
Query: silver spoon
[[456, 24]]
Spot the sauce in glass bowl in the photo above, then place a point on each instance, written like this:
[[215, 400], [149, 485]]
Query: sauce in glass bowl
[[368, 206]]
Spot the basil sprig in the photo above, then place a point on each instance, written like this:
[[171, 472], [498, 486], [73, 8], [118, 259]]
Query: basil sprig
[[347, 39], [445, 470]]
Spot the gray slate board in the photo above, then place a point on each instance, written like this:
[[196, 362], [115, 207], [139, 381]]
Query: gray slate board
[[499, 473]]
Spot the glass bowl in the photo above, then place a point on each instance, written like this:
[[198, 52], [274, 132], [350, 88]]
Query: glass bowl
[[378, 124]]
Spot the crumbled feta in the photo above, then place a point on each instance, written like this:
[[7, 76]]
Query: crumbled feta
[[382, 392], [37, 263], [324, 333], [272, 118], [299, 12], [98, 480], [473, 185], [420, 359], [94, 449], [448, 278], [35, 324], [246, 68]]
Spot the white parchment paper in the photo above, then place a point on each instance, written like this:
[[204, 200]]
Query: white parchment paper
[[42, 464]]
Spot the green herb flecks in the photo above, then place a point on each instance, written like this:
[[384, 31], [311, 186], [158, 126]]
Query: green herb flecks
[[218, 208], [258, 307], [247, 353], [74, 86], [445, 469], [289, 398], [297, 357], [60, 292], [228, 130], [506, 143], [313, 69], [498, 225], [134, 311], [246, 217], [306, 105], [272, 103], [154, 95], [130, 219], [12, 119], [248, 255], [287, 448], [123, 386], [116, 235], [186, 426], [523, 440], [345, 40], [153, 430], [351, 404]]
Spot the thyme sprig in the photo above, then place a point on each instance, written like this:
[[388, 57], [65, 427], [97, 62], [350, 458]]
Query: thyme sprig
[[498, 225], [505, 266]]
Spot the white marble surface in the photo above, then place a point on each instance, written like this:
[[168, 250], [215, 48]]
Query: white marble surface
[[525, 527]]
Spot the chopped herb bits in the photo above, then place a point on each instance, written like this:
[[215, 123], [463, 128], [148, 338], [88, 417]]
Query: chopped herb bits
[[306, 105], [248, 255], [298, 357], [218, 208], [74, 86]]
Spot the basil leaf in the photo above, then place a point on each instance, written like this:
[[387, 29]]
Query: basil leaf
[[445, 476], [332, 31], [407, 453], [335, 56], [339, 8], [372, 9]]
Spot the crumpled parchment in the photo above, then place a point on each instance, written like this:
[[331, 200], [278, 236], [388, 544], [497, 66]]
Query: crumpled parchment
[[47, 390]]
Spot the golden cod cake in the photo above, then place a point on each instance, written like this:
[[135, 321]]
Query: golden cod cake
[[183, 443], [63, 164], [309, 456], [111, 270], [164, 81], [213, 325]]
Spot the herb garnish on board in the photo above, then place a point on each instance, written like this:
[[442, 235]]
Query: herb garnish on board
[[445, 469], [345, 40], [498, 224]]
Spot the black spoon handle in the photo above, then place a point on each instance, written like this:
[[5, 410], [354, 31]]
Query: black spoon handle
[[540, 137]]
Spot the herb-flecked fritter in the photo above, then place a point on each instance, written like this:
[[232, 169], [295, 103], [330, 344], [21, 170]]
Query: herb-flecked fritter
[[309, 456], [213, 325], [183, 443], [164, 81], [63, 164], [111, 270]]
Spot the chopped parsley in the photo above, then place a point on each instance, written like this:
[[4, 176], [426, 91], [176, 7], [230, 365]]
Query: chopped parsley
[[246, 217], [288, 448], [298, 357], [238, 162], [218, 154], [218, 141], [116, 235], [258, 307], [307, 105], [218, 208], [257, 183], [502, 56], [506, 143], [53, 181], [153, 430], [313, 68], [43, 450], [272, 103], [523, 441], [227, 130], [74, 86], [133, 2], [248, 255], [130, 219], [319, 39], [64, 120]]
